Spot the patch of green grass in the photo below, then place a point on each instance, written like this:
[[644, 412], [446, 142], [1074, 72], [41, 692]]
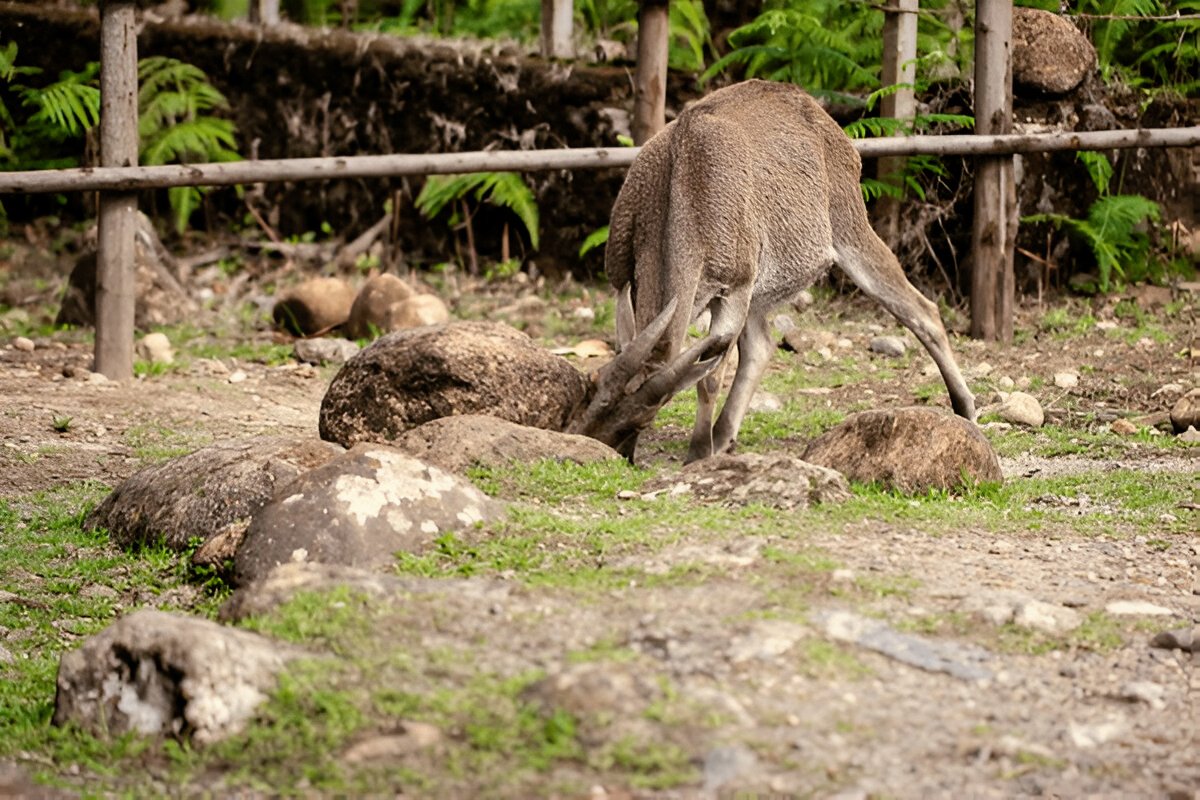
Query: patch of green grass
[[338, 620], [650, 764], [822, 659], [154, 442]]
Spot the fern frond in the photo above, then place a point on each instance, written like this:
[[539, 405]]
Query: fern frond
[[68, 105], [595, 239], [1098, 167], [502, 189], [199, 140]]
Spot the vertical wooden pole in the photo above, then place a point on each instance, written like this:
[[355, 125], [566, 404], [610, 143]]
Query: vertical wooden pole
[[557, 28], [994, 234], [115, 281], [650, 78], [899, 66], [264, 12]]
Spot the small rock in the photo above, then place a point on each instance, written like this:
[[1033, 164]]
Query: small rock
[[962, 661], [1186, 411], [1066, 380], [237, 376], [783, 323], [981, 370], [1085, 736], [325, 351], [584, 313], [802, 300], [842, 576], [415, 736], [997, 614], [765, 401], [1136, 608], [627, 494], [1167, 389], [156, 348], [725, 764], [892, 346], [593, 348], [1122, 427], [845, 343], [23, 344], [1046, 617], [1022, 409], [1144, 692], [1024, 382], [316, 305], [1006, 384], [1191, 436], [1106, 325], [96, 378], [1185, 639]]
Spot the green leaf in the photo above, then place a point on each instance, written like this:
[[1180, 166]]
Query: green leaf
[[595, 239]]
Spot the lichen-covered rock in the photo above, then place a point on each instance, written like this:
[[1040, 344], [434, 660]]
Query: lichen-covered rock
[[1048, 52], [191, 499], [156, 673], [316, 305], [460, 442], [910, 449], [359, 510], [781, 481], [410, 377]]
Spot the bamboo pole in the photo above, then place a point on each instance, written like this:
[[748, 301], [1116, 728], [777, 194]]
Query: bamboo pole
[[994, 232], [557, 28], [115, 278], [340, 167], [650, 78]]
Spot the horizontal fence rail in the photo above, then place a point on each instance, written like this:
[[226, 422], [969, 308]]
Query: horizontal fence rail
[[330, 168]]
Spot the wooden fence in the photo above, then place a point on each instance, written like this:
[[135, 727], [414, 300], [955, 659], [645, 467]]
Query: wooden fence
[[119, 178]]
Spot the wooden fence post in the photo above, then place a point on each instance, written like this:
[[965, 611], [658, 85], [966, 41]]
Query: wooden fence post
[[650, 79], [899, 66], [994, 233], [115, 280], [264, 12], [557, 28]]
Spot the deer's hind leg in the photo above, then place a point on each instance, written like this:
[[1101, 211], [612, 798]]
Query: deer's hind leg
[[874, 269], [755, 347], [728, 317]]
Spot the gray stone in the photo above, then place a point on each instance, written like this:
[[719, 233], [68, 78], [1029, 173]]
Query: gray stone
[[1191, 436], [325, 351], [1185, 413], [192, 498], [910, 449], [1136, 608], [1185, 639], [1088, 735], [888, 346], [410, 377], [315, 306], [1066, 380], [1022, 409], [358, 510], [1146, 692], [1046, 617], [23, 344], [1048, 52], [725, 764], [933, 655], [764, 402], [156, 673], [460, 442], [156, 348], [780, 481]]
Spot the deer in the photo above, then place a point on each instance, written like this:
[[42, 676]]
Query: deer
[[747, 198]]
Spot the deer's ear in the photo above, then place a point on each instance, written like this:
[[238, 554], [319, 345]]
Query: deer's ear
[[626, 323]]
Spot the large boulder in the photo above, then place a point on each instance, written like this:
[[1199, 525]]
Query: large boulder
[[386, 303], [408, 378], [458, 443], [159, 297], [1049, 54], [195, 497], [359, 510], [156, 673], [780, 481], [910, 449], [315, 306]]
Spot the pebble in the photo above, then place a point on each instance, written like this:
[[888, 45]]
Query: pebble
[[1185, 639], [1146, 692], [996, 615], [96, 378], [237, 376], [1106, 325], [892, 346], [1191, 436], [1022, 409], [584, 313], [842, 575], [1066, 380], [1085, 736], [783, 323], [765, 401], [1046, 617], [23, 344], [324, 350], [1006, 384], [802, 300], [981, 370], [1136, 608]]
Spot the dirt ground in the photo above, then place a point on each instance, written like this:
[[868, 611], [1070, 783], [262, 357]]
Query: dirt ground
[[1066, 722]]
